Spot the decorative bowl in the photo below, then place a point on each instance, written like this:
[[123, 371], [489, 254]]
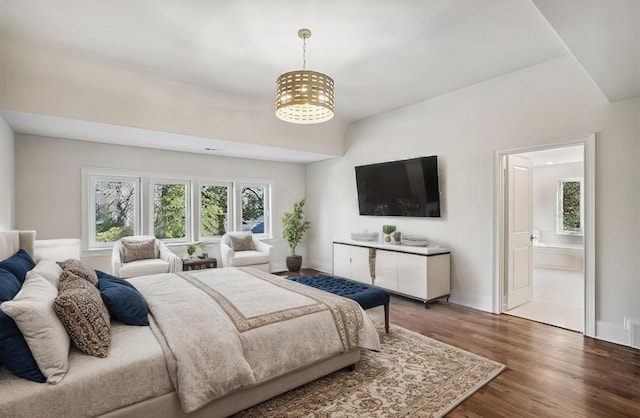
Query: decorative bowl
[[364, 236], [414, 240]]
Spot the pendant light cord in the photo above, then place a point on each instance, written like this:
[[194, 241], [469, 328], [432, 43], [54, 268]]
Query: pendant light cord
[[304, 52]]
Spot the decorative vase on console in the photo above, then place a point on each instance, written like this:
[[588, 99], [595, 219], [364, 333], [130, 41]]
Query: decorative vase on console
[[397, 237], [387, 230]]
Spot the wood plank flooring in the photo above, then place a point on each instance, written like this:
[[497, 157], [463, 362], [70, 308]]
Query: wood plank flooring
[[551, 372]]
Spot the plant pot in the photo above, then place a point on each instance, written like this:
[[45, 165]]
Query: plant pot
[[294, 262]]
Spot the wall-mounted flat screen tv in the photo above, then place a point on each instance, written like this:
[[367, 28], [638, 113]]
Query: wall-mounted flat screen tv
[[399, 188]]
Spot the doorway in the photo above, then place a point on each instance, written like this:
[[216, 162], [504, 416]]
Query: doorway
[[545, 234]]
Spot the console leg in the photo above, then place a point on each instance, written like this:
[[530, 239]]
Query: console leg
[[427, 305]]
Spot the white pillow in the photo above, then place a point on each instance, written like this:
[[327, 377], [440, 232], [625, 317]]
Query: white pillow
[[32, 311], [48, 269]]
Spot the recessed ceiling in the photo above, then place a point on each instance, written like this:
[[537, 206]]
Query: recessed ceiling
[[382, 55]]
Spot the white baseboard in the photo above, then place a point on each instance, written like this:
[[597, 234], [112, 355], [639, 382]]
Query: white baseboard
[[612, 332], [633, 325]]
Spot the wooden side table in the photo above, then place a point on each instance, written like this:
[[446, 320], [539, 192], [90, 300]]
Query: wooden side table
[[198, 264]]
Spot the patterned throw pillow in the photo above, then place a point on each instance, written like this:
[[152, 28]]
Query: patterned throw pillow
[[138, 250], [78, 268], [241, 243], [84, 315]]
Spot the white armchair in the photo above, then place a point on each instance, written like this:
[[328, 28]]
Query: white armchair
[[162, 260], [258, 256]]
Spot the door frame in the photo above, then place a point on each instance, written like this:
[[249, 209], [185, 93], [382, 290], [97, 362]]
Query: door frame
[[499, 269]]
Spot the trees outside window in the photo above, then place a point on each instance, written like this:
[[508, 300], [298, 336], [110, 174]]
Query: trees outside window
[[170, 210], [254, 208], [177, 210], [214, 209], [570, 207], [115, 208]]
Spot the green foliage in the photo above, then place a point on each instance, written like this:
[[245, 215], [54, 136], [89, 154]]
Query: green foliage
[[571, 206], [114, 234], [191, 248], [295, 225], [115, 202], [214, 210], [388, 229], [169, 210]]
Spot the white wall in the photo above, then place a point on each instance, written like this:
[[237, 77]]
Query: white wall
[[535, 106], [545, 200], [7, 141], [618, 220], [48, 184]]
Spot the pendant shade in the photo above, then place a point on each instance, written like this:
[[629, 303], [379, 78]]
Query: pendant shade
[[304, 96]]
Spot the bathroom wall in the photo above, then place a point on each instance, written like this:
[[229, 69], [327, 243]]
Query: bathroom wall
[[545, 197]]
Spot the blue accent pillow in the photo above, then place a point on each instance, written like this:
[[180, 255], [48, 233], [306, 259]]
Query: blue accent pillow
[[18, 264], [124, 302], [15, 353], [9, 285]]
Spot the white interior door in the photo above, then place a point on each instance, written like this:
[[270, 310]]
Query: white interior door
[[519, 181]]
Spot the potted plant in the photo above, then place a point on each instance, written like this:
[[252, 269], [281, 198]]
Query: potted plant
[[191, 249], [387, 230], [295, 227]]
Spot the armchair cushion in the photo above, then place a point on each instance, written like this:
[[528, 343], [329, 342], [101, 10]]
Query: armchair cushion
[[140, 250], [249, 258]]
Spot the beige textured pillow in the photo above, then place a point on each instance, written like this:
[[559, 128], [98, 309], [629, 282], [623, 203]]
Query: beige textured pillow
[[140, 250], [241, 243], [84, 315], [80, 269], [32, 310], [50, 270]]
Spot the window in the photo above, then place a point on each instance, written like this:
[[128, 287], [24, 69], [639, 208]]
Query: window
[[170, 209], [254, 208], [570, 204], [214, 209], [176, 210], [114, 207]]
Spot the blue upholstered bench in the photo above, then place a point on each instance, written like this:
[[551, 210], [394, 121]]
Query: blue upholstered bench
[[366, 296]]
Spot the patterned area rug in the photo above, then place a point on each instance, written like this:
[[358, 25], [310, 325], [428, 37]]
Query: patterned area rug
[[412, 376]]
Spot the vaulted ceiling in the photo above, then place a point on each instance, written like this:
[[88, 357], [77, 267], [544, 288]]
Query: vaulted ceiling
[[382, 55]]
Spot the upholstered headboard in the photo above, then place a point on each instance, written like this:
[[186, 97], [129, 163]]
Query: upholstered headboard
[[12, 241]]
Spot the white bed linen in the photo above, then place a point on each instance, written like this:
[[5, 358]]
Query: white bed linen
[[133, 371], [230, 328]]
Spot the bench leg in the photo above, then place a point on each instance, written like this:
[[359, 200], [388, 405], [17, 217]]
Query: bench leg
[[386, 318]]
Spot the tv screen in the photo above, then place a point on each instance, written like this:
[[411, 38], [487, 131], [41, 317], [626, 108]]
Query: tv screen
[[399, 188]]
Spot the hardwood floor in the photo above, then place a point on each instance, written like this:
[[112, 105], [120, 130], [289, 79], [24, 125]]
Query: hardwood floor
[[551, 372]]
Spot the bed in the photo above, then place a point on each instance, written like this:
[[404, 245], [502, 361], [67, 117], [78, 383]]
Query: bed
[[219, 341]]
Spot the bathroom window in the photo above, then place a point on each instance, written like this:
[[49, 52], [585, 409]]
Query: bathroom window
[[570, 207]]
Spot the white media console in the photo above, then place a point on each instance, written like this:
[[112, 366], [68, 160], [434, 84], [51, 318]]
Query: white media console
[[418, 272]]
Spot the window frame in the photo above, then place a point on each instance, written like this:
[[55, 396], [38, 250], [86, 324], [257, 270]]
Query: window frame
[[144, 209]]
